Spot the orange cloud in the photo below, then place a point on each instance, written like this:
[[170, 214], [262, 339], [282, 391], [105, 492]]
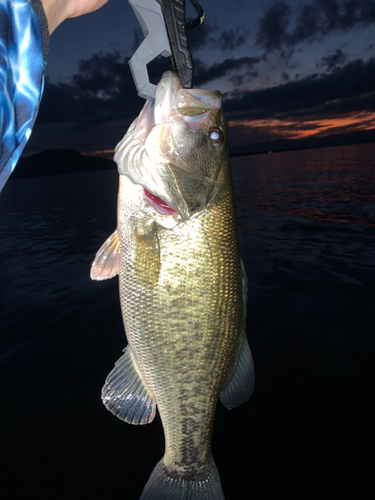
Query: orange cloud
[[300, 130], [107, 153]]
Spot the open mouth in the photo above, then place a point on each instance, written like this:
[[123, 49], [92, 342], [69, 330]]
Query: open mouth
[[157, 203]]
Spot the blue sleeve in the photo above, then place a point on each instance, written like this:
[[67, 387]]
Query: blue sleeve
[[21, 79]]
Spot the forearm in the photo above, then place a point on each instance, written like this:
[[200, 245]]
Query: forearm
[[58, 10], [55, 13]]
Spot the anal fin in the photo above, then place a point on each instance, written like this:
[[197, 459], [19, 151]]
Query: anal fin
[[125, 395], [241, 385]]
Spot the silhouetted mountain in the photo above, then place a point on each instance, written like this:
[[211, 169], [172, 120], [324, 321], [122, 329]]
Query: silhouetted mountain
[[64, 161], [360, 137], [59, 161]]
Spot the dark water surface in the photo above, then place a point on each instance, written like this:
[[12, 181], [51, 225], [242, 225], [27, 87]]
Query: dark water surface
[[307, 232]]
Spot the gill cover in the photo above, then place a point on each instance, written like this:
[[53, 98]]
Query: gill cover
[[170, 149]]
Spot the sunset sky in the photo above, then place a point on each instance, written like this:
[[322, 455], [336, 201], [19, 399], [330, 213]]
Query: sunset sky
[[288, 70]]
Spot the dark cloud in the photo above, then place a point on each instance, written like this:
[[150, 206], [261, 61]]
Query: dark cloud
[[285, 55], [232, 39], [100, 93], [102, 75], [100, 100], [348, 89], [97, 105], [209, 35], [237, 80], [272, 30], [337, 59], [316, 19], [348, 105], [102, 90], [203, 35], [308, 24], [204, 73]]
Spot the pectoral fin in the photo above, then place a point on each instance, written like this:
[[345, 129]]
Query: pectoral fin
[[107, 259], [147, 255], [125, 394], [240, 387]]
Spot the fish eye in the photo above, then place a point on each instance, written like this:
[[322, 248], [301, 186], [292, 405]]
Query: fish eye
[[216, 136]]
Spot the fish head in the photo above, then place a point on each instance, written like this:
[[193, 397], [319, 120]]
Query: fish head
[[177, 149]]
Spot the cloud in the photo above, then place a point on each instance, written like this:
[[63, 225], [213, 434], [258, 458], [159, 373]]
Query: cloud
[[95, 107], [338, 58], [202, 36], [272, 30], [102, 74], [315, 19], [100, 101], [204, 73], [346, 89], [209, 35], [102, 89], [232, 39]]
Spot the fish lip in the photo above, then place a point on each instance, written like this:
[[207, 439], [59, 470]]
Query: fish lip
[[166, 96], [172, 98]]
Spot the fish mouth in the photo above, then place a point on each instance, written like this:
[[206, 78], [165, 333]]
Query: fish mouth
[[157, 203], [172, 99]]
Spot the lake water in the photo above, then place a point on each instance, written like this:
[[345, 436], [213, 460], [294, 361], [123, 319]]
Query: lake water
[[307, 232]]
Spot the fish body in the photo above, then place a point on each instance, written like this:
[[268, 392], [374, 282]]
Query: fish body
[[182, 285]]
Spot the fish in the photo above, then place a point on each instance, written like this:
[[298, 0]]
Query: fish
[[182, 285]]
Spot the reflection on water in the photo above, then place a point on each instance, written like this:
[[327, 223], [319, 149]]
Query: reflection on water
[[50, 231], [329, 184]]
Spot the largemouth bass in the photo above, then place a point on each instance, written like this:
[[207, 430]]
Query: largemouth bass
[[182, 285]]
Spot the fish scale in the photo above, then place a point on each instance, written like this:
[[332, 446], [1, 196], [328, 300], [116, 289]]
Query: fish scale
[[199, 283]]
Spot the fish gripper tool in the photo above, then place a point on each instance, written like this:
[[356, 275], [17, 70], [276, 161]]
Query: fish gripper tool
[[164, 27]]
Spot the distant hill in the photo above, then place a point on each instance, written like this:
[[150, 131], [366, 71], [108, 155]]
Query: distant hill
[[59, 161], [65, 161]]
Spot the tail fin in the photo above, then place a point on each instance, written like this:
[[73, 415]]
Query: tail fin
[[162, 486]]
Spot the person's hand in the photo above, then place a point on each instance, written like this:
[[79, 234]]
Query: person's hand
[[57, 11]]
